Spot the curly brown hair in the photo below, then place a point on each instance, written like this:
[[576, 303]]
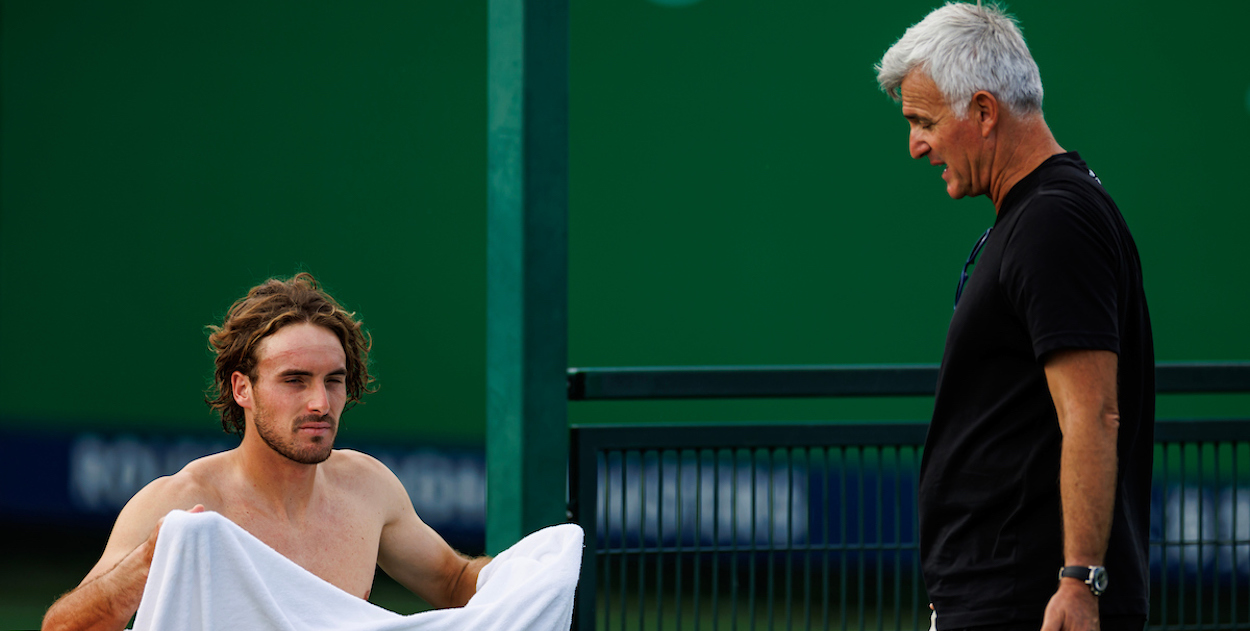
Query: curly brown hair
[[262, 312]]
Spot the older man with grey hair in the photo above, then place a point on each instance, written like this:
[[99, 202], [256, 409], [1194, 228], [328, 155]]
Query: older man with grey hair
[[1035, 484]]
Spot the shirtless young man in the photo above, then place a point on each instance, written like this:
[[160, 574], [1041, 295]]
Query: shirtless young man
[[289, 360]]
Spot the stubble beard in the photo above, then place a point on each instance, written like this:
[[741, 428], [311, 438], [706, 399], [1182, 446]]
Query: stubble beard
[[316, 453]]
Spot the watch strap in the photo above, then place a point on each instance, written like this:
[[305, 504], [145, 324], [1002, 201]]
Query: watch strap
[[1095, 576]]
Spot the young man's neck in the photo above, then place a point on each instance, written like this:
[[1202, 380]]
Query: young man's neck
[[282, 484]]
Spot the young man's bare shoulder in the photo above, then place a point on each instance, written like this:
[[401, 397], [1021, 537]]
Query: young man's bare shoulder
[[194, 484], [201, 481], [362, 472], [357, 463]]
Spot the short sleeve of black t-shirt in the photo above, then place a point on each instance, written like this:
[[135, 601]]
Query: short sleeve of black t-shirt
[[1059, 272]]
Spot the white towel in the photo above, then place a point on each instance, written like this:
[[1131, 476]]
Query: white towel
[[208, 573]]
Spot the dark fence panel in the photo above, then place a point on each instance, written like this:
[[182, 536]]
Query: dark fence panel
[[814, 526]]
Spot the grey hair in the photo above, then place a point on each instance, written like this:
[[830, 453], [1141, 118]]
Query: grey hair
[[965, 48]]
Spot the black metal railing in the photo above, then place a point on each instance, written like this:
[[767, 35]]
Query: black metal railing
[[724, 382], [812, 525]]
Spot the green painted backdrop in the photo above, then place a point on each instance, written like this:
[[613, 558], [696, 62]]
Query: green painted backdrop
[[741, 192]]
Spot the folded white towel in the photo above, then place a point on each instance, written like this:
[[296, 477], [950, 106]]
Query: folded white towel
[[208, 573]]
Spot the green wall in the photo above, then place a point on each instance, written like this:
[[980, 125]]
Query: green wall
[[741, 193], [159, 159]]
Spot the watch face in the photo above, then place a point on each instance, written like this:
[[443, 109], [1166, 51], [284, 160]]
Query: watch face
[[1099, 580]]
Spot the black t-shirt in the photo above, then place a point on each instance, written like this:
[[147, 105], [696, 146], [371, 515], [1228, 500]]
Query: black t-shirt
[[1058, 271]]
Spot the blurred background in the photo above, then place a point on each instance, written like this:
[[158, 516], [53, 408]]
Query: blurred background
[[740, 193]]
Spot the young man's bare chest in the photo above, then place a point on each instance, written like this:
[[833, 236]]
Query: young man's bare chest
[[336, 538]]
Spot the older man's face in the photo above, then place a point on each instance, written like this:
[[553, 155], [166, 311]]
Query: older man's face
[[946, 139]]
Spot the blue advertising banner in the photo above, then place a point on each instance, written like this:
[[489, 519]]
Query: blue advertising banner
[[85, 479]]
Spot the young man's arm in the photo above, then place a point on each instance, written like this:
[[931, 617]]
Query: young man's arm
[[417, 557], [109, 596], [1083, 386]]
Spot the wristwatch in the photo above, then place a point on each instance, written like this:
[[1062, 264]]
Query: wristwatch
[[1093, 575]]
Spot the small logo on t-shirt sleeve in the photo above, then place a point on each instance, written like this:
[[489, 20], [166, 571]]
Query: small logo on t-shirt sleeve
[[1091, 174]]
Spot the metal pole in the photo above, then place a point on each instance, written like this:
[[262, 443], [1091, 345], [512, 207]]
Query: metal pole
[[527, 268]]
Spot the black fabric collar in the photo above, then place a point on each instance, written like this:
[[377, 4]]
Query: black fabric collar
[[1028, 185]]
